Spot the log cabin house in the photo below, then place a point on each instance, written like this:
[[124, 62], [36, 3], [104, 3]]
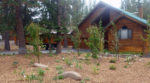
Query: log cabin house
[[130, 27]]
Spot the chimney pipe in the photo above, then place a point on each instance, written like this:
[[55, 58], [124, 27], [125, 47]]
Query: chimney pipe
[[140, 10]]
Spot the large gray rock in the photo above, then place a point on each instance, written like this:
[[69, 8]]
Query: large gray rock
[[72, 75]]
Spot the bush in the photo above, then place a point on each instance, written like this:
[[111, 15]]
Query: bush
[[96, 69], [76, 39], [68, 62], [57, 61], [78, 65], [31, 77], [33, 31], [60, 71], [59, 67], [60, 77], [15, 63], [129, 59], [148, 64], [126, 66], [87, 56], [41, 72], [112, 61], [93, 41], [112, 67]]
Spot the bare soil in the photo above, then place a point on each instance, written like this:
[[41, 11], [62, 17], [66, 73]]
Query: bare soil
[[136, 72]]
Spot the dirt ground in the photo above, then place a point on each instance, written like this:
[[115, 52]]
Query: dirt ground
[[136, 72]]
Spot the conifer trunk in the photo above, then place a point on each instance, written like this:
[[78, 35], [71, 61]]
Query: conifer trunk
[[58, 49], [6, 39], [19, 28]]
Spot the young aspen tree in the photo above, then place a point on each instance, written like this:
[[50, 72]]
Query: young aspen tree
[[76, 39], [115, 42], [34, 38], [147, 31], [101, 32], [93, 41]]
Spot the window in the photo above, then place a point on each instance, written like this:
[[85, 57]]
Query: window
[[125, 33]]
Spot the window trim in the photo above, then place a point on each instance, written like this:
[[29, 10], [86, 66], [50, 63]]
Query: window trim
[[129, 38]]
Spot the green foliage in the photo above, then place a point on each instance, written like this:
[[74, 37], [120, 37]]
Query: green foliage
[[50, 54], [129, 59], [93, 41], [87, 56], [102, 35], [34, 39], [39, 76], [96, 69], [30, 77], [148, 65], [115, 42], [126, 66], [68, 62], [76, 39], [82, 81], [59, 67], [78, 65], [22, 73], [112, 67], [60, 71], [147, 30], [41, 72], [112, 61], [15, 63], [57, 61], [60, 77]]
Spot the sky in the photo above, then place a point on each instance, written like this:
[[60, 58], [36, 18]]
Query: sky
[[115, 3]]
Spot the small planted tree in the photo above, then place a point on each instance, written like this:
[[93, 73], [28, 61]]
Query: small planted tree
[[93, 41], [115, 42], [147, 31], [34, 38], [101, 32], [76, 39]]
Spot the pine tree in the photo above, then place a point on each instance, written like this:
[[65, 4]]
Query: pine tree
[[6, 23]]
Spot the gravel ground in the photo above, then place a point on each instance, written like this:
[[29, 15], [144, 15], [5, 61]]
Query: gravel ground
[[136, 72]]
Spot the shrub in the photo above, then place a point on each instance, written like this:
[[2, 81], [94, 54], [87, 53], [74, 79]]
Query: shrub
[[68, 62], [96, 69], [60, 71], [76, 39], [82, 81], [115, 42], [129, 59], [93, 41], [50, 54], [60, 77], [126, 66], [57, 61], [34, 39], [78, 65], [30, 77], [112, 61], [112, 67], [15, 63], [59, 67], [87, 56], [148, 64], [41, 72]]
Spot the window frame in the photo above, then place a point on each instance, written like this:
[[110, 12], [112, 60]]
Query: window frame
[[129, 35]]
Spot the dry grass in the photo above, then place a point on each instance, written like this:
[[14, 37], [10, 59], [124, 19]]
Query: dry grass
[[136, 72]]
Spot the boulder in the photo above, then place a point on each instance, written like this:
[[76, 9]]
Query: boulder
[[72, 75], [40, 65]]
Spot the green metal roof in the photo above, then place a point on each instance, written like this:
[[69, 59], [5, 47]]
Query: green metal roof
[[132, 16]]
